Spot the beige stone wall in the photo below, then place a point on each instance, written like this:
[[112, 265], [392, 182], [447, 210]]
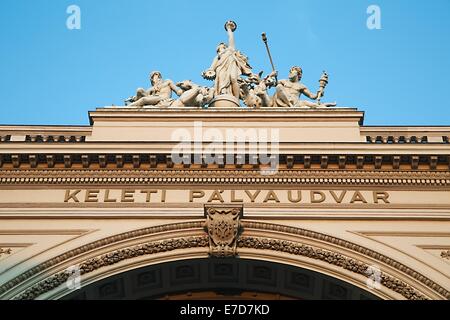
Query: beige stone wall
[[368, 213]]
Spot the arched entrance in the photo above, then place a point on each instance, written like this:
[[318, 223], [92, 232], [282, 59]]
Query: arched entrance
[[233, 278], [273, 251]]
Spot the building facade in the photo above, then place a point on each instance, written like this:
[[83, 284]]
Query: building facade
[[311, 204]]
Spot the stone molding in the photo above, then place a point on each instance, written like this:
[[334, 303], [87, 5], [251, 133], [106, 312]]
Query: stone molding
[[209, 177], [330, 257], [387, 160], [258, 243], [94, 245], [112, 258], [351, 246]]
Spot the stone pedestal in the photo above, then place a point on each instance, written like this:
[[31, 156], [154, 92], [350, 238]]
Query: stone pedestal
[[294, 125], [224, 101]]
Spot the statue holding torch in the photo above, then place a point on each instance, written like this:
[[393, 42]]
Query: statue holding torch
[[323, 81], [288, 92]]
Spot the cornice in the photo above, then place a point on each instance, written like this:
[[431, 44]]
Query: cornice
[[378, 163], [166, 146], [227, 114]]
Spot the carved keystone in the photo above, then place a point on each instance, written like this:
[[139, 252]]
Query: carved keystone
[[224, 228]]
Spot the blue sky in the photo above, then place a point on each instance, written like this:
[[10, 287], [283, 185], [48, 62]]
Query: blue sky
[[398, 75]]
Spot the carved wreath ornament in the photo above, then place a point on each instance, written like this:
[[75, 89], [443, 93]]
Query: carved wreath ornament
[[223, 227]]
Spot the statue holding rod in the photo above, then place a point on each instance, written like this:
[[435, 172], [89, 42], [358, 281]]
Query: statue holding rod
[[288, 91]]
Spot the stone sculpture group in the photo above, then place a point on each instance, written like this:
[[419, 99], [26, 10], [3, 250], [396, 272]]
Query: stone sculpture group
[[233, 81]]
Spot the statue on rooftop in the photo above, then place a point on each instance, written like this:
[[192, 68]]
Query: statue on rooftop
[[160, 94], [227, 66], [288, 92], [233, 81], [254, 90], [193, 95]]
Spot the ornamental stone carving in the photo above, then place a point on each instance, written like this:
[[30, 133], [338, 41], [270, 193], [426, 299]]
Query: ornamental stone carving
[[330, 257], [223, 227], [5, 251], [110, 259], [266, 243], [445, 254], [234, 81]]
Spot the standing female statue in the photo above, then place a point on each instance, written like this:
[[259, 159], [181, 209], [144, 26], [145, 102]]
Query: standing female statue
[[227, 66]]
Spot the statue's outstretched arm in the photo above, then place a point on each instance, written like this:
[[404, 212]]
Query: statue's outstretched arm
[[214, 63], [309, 94], [175, 89], [231, 43]]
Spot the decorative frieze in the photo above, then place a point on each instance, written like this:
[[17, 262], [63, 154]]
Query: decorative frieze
[[47, 138], [152, 161], [403, 138], [373, 139], [244, 242], [257, 243], [389, 135], [113, 258], [330, 257], [283, 177]]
